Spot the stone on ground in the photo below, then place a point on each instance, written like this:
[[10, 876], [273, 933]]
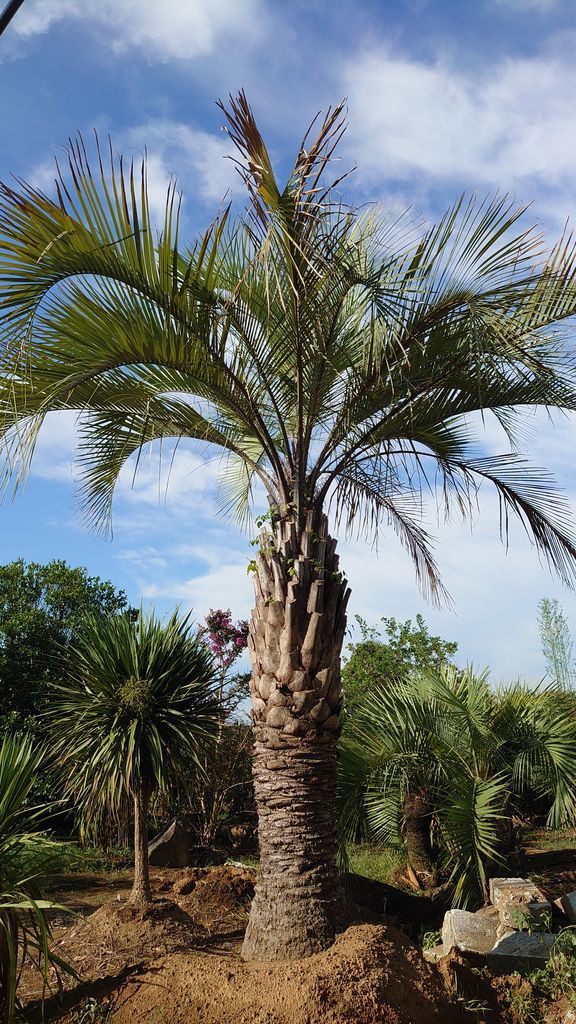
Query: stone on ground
[[520, 949], [171, 849], [469, 933], [567, 904]]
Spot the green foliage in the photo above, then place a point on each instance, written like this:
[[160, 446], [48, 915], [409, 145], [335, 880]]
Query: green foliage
[[27, 856], [379, 658], [556, 642], [431, 939], [137, 705], [41, 610], [470, 754], [93, 1011], [558, 977]]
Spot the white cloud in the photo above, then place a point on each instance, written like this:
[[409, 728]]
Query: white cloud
[[171, 30], [535, 6], [510, 126], [197, 159]]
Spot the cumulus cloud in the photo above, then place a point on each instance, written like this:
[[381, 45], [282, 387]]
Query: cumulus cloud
[[510, 126], [172, 30]]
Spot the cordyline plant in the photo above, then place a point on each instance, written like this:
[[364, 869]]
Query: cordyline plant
[[337, 357], [137, 705]]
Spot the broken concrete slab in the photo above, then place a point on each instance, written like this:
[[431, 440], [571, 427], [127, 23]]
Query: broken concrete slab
[[567, 904], [469, 933], [520, 949], [501, 890], [515, 912], [520, 903]]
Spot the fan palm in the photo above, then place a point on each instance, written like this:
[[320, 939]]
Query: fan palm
[[336, 359], [138, 703], [441, 752]]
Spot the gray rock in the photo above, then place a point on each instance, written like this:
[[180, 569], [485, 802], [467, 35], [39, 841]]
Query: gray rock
[[520, 949], [472, 933], [171, 849], [434, 954], [567, 904]]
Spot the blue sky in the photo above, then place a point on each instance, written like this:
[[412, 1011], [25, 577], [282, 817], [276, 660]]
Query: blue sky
[[443, 95]]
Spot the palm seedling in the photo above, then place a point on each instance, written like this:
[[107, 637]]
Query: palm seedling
[[138, 705], [338, 358]]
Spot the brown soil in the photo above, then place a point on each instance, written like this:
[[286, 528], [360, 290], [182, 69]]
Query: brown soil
[[217, 898], [118, 935], [371, 975]]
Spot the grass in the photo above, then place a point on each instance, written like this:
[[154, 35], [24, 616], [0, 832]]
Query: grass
[[382, 863], [549, 838], [70, 859]]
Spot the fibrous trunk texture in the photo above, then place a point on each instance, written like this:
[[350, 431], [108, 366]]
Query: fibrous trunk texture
[[295, 641], [141, 892], [417, 816]]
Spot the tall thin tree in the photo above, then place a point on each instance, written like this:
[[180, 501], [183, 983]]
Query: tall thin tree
[[557, 643], [338, 358]]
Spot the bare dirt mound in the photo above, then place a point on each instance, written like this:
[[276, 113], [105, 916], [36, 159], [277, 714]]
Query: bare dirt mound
[[217, 898], [120, 934], [371, 975]]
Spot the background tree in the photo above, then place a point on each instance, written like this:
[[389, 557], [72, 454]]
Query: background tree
[[376, 659], [137, 705], [338, 358], [557, 644], [41, 610], [219, 787]]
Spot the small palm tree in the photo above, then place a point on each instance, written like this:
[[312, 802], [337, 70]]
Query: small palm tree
[[26, 857], [442, 753], [341, 360], [137, 706]]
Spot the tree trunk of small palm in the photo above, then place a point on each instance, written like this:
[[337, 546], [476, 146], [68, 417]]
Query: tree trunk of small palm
[[296, 636], [141, 892], [417, 816]]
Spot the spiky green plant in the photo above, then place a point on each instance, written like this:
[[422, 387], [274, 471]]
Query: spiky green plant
[[138, 705], [443, 753], [337, 358], [26, 856]]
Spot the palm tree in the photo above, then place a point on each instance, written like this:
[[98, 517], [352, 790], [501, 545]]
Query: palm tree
[[138, 704], [443, 754], [337, 358]]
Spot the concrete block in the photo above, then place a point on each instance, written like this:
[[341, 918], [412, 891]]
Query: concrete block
[[567, 904], [520, 949], [501, 888], [472, 933], [519, 900]]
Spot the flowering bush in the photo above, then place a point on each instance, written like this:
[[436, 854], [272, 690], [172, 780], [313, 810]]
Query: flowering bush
[[226, 639]]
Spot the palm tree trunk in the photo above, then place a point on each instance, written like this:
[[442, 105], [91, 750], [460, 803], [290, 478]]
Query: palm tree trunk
[[295, 641], [417, 813], [141, 892]]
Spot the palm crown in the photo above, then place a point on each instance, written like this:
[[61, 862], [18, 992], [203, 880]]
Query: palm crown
[[332, 356]]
